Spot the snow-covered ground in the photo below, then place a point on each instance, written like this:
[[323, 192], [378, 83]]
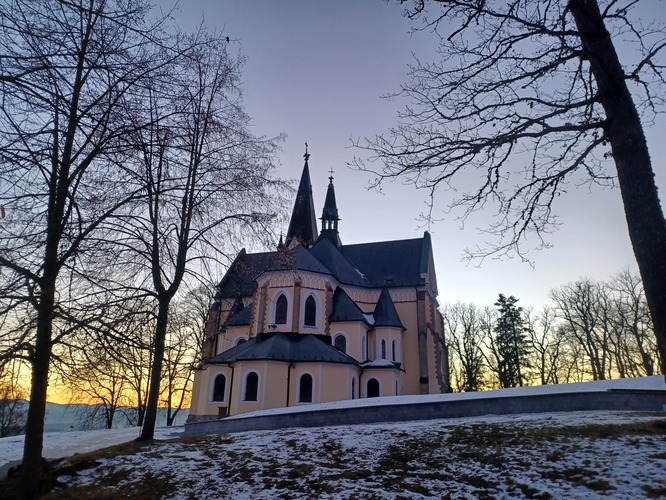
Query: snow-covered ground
[[540, 455]]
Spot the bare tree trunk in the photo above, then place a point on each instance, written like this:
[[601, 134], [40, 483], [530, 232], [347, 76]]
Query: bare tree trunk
[[645, 219], [148, 429], [31, 472]]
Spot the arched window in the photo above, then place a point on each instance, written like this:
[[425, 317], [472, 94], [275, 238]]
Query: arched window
[[340, 342], [219, 387], [373, 388], [281, 310], [240, 341], [305, 389], [251, 387], [383, 349], [364, 349], [393, 358], [353, 392], [310, 318]]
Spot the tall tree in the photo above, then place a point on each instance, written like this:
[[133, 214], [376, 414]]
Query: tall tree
[[533, 95], [206, 179], [65, 69], [632, 325], [583, 306], [463, 332], [511, 342]]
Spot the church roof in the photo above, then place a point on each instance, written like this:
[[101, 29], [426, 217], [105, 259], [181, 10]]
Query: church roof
[[392, 263], [370, 265], [289, 347], [330, 211], [303, 223], [337, 264], [240, 318], [241, 277], [385, 313], [345, 309]]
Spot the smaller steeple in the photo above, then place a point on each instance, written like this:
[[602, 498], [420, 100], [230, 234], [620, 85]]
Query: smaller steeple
[[329, 215], [303, 224]]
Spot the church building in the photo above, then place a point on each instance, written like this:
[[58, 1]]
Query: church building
[[317, 320]]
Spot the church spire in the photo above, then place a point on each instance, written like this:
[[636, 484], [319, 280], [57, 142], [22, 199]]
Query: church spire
[[303, 224], [329, 215]]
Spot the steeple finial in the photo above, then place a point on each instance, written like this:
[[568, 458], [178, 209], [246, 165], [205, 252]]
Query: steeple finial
[[329, 216], [303, 223]]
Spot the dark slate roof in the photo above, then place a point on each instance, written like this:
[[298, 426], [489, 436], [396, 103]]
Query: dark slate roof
[[241, 318], [303, 224], [373, 265], [330, 211], [280, 346], [345, 309], [337, 264], [390, 263], [240, 279], [385, 313]]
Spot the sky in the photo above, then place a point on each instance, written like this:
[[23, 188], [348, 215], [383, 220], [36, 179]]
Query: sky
[[316, 71]]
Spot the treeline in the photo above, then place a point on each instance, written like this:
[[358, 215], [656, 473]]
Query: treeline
[[111, 373], [592, 330]]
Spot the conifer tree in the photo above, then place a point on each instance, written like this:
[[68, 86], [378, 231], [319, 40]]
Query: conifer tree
[[511, 341]]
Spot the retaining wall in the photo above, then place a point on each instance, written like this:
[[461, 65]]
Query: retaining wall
[[612, 400]]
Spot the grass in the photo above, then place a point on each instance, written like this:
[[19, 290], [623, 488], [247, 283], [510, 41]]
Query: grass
[[484, 460]]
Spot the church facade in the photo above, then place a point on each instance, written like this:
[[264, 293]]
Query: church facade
[[318, 321]]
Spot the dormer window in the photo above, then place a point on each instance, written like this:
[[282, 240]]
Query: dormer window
[[310, 318], [281, 310]]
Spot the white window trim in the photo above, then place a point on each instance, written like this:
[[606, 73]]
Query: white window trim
[[342, 334], [274, 299], [298, 389], [247, 374], [211, 390], [379, 383], [318, 311]]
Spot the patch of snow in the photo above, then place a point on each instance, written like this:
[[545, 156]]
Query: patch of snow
[[378, 363], [641, 383]]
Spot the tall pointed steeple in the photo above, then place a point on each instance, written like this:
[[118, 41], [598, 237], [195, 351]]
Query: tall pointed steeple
[[303, 224], [329, 216]]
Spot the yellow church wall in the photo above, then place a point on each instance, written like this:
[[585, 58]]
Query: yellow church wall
[[387, 379], [410, 349], [229, 338], [265, 370], [202, 391], [354, 332], [296, 287], [331, 382]]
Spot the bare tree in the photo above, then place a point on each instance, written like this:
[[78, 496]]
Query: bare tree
[[95, 376], [582, 305], [463, 332], [13, 405], [65, 69], [206, 179], [532, 95], [548, 344], [179, 356], [632, 326]]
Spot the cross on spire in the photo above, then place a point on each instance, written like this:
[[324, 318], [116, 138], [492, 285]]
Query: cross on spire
[[306, 155]]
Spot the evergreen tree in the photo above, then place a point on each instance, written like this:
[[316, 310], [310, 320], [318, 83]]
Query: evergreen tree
[[511, 341]]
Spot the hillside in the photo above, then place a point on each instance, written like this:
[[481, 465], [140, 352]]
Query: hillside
[[547, 455]]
